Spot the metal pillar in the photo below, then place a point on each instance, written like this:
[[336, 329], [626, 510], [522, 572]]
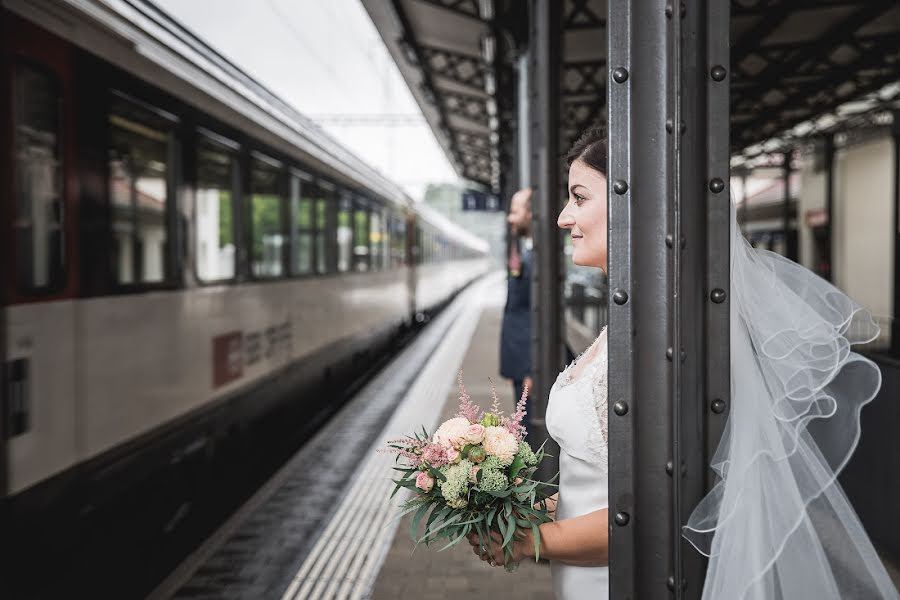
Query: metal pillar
[[895, 323], [669, 270], [789, 247], [548, 344], [524, 124], [829, 202]]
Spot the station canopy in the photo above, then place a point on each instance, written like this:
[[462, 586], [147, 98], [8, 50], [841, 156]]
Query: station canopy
[[799, 68]]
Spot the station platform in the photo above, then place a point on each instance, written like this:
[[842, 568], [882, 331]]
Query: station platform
[[325, 526]]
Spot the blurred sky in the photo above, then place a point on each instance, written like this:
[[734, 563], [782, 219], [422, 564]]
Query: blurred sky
[[326, 58]]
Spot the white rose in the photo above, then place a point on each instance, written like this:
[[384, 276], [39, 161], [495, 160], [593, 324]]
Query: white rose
[[452, 433], [500, 443]]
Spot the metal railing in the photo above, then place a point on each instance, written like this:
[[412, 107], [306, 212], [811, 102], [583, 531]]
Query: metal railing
[[587, 305]]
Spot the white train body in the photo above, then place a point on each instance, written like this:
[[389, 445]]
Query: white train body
[[102, 373]]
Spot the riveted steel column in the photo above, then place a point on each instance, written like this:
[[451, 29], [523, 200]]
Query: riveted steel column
[[548, 349], [669, 272], [895, 322], [717, 289], [789, 248], [641, 174], [829, 202]]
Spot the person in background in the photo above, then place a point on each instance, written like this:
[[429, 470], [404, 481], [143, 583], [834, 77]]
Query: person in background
[[515, 334]]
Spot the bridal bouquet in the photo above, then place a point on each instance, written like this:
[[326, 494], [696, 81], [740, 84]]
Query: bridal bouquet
[[473, 475]]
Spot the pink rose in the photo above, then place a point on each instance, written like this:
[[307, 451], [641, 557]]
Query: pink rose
[[473, 476], [424, 482], [475, 433], [453, 455]]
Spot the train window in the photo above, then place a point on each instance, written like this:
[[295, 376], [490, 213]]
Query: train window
[[323, 248], [376, 239], [139, 148], [214, 212], [419, 246], [398, 242], [360, 236], [344, 232], [38, 176], [266, 219], [385, 240], [302, 224]]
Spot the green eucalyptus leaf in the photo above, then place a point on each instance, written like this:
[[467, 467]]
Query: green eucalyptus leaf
[[517, 465], [510, 530], [417, 519], [536, 534]]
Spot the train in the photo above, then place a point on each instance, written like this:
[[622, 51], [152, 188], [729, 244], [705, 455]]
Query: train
[[182, 252]]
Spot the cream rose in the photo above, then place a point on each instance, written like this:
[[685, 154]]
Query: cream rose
[[500, 443], [452, 433]]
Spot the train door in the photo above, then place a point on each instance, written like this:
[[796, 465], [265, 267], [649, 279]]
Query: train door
[[37, 229]]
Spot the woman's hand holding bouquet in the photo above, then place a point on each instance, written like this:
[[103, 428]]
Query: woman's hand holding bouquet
[[474, 478]]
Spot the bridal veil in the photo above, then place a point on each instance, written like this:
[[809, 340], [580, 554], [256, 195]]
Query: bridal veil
[[777, 524]]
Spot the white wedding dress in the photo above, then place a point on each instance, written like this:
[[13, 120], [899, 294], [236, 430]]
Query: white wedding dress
[[577, 420]]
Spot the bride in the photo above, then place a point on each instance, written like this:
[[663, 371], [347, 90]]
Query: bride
[[576, 542], [776, 525]]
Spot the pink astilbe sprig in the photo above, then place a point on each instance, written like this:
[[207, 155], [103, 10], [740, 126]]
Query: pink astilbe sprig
[[408, 448], [436, 455], [467, 409], [513, 423], [495, 407]]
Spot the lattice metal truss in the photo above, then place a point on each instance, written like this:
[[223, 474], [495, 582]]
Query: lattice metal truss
[[778, 85], [464, 69], [791, 61], [579, 15], [466, 8], [583, 96], [466, 106]]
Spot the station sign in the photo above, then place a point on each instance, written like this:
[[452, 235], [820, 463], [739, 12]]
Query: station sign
[[483, 201]]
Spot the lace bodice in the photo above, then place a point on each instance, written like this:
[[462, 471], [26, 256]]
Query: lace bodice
[[589, 392]]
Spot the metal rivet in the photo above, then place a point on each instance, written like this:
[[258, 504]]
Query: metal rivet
[[717, 73], [620, 186], [682, 127], [670, 240], [669, 11], [622, 519], [683, 242], [683, 10], [717, 295], [620, 74], [670, 467], [683, 355], [620, 297], [716, 185], [670, 125], [670, 582], [718, 406], [670, 353], [620, 408]]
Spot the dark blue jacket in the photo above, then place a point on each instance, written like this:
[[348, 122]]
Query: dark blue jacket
[[515, 334]]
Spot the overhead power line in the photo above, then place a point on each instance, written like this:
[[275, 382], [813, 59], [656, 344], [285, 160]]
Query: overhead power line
[[370, 120]]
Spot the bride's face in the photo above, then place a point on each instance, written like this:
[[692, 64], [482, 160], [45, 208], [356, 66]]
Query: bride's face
[[585, 215]]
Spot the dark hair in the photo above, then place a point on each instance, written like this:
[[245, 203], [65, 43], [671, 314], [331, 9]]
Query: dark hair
[[590, 148]]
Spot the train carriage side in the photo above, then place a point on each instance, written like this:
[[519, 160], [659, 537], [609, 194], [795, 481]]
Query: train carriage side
[[446, 258], [172, 267]]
